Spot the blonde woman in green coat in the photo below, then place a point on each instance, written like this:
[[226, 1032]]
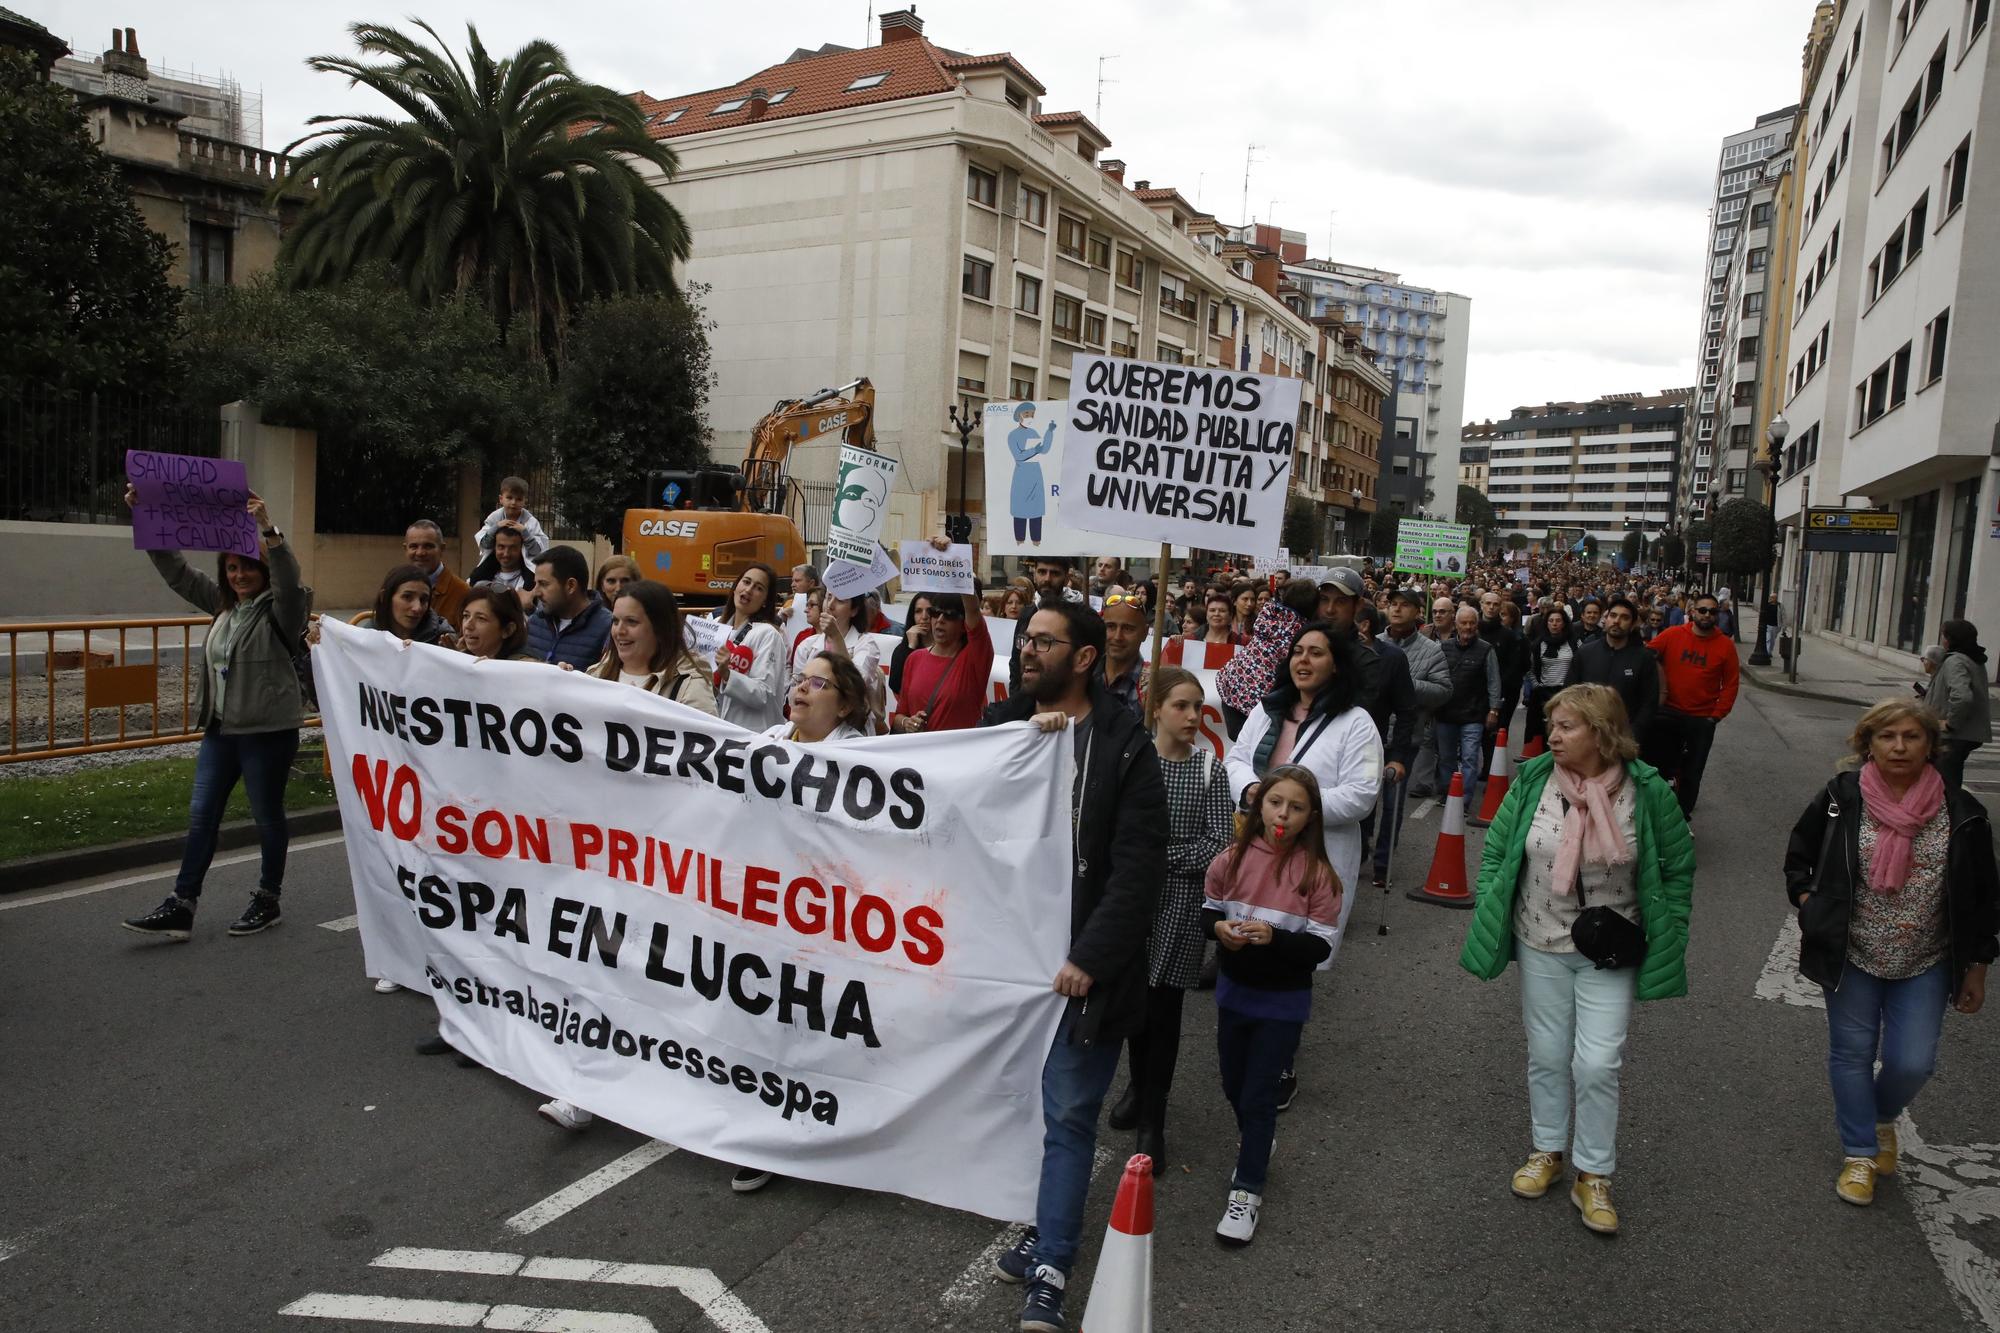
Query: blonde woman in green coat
[[1584, 826]]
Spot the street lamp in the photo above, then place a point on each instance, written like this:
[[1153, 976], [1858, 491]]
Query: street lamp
[[1767, 467], [958, 527]]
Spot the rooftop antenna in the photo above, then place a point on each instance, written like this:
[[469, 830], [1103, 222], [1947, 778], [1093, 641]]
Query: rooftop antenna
[[868, 26], [1199, 177], [1272, 216], [1331, 214], [1249, 158], [1097, 116]]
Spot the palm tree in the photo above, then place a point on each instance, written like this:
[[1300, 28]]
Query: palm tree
[[511, 179]]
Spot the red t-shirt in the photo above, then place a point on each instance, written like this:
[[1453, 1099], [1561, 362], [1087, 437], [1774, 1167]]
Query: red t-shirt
[[965, 678]]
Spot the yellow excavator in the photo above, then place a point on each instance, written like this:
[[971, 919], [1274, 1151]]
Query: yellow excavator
[[716, 520]]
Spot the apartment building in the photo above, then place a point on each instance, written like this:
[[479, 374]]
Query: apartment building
[[913, 214], [1602, 466], [1475, 443], [1895, 316]]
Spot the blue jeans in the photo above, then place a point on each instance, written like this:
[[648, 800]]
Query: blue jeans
[[1899, 1021], [1254, 1051], [263, 760], [1458, 750], [1074, 1081], [1576, 1015]]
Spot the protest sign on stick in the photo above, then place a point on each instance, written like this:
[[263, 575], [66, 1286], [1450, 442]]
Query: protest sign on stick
[[926, 569], [830, 961], [860, 504], [1182, 454], [846, 578], [1025, 448], [1433, 548], [187, 503]]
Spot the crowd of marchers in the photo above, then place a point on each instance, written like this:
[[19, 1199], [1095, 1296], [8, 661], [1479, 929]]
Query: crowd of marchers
[[1342, 700]]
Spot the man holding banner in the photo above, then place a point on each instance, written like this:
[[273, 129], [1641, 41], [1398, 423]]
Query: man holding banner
[[1118, 808]]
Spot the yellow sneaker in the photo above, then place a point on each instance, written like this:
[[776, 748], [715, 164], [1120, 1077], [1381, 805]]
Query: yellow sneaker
[[1857, 1181], [1592, 1197], [1885, 1150], [1543, 1169]]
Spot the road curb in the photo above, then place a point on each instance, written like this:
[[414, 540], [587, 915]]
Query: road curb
[[1799, 692], [37, 872]]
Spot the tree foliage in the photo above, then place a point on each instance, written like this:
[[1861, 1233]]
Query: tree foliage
[[1632, 546], [1517, 541], [510, 179], [1590, 547], [84, 299], [1744, 534], [1476, 511], [1671, 550], [1382, 532], [1302, 526], [633, 397]]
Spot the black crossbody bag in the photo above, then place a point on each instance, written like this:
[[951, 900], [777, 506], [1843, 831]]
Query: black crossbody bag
[[1608, 939]]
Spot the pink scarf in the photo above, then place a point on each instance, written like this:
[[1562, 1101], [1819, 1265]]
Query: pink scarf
[[1898, 821], [1590, 825]]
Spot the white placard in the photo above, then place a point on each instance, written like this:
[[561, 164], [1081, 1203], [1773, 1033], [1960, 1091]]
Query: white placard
[[1169, 453], [845, 579], [828, 961], [860, 503], [705, 635], [926, 569], [1023, 443]]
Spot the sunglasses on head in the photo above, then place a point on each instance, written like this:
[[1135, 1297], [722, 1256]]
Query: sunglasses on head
[[1123, 599]]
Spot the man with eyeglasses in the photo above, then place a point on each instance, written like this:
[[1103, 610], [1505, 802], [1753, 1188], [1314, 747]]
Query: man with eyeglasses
[[1699, 676], [1118, 814], [1050, 574]]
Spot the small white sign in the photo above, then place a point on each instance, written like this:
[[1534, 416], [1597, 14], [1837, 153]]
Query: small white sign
[[844, 578], [705, 635], [927, 569]]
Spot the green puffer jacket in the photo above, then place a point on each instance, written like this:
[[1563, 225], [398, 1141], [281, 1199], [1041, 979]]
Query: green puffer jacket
[[1665, 853]]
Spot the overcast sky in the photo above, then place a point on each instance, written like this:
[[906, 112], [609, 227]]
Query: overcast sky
[[1550, 159]]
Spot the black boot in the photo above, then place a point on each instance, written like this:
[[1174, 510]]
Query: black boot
[[1153, 1143], [1125, 1115]]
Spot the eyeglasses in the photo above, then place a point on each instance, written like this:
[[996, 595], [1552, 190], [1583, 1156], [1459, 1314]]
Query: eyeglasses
[[815, 683], [948, 613], [1704, 610], [1041, 643], [1124, 599]]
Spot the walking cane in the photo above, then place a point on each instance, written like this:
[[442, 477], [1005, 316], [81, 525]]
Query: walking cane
[[1394, 835]]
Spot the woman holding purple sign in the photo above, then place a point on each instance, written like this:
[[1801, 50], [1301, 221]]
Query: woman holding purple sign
[[248, 708]]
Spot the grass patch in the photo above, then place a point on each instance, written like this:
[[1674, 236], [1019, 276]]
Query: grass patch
[[143, 798]]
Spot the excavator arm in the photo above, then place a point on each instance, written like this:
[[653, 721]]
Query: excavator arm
[[849, 409]]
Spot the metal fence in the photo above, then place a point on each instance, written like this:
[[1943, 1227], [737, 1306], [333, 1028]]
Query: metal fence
[[62, 454]]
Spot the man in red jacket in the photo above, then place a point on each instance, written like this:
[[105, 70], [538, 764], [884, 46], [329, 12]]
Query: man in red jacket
[[1698, 678]]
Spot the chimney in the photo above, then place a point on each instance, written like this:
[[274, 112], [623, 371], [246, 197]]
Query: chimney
[[1142, 185], [902, 25], [124, 67], [131, 42], [760, 102], [1114, 168]]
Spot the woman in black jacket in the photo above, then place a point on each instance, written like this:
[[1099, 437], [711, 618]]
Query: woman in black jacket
[[1899, 914]]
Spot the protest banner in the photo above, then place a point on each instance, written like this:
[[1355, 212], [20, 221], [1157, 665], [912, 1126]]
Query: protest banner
[[186, 503], [846, 578], [1169, 453], [831, 961], [1433, 548], [1024, 465], [860, 503], [926, 569]]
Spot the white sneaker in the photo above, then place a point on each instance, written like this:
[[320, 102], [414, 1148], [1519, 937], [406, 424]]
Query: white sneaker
[[1239, 1220], [384, 986], [559, 1112]]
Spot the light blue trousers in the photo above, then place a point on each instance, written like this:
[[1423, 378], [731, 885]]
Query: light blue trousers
[[1576, 1017]]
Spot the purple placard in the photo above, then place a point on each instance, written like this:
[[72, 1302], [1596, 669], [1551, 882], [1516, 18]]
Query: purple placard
[[186, 503]]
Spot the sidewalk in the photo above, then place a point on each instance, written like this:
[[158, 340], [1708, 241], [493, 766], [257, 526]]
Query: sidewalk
[[1832, 673]]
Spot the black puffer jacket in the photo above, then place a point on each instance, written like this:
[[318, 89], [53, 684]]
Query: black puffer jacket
[[1971, 883], [1121, 859]]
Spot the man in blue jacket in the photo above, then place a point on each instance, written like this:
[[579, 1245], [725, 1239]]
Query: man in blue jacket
[[570, 625]]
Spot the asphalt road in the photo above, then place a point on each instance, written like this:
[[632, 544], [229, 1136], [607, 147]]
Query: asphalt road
[[205, 1136]]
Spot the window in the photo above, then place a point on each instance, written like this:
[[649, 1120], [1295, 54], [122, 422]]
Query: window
[[1934, 78], [1128, 268], [1753, 303], [1935, 334], [1954, 176], [1022, 384], [667, 117], [208, 254], [1100, 251], [867, 81], [1755, 260], [1913, 230], [1760, 216], [1976, 13], [981, 186], [975, 278], [733, 104], [780, 96], [1068, 315], [1899, 376], [1746, 349], [1027, 294], [1093, 328], [1733, 480], [1034, 207], [1070, 233]]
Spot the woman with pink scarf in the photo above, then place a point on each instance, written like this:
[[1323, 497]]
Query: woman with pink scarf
[[1899, 914], [1586, 832]]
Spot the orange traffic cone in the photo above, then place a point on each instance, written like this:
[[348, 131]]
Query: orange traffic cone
[[1121, 1296], [1534, 747], [1446, 884], [1498, 776]]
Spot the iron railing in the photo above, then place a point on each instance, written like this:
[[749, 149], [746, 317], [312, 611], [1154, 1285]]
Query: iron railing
[[62, 454]]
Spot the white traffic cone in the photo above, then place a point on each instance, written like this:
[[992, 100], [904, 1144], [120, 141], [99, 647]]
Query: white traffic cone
[[1121, 1296]]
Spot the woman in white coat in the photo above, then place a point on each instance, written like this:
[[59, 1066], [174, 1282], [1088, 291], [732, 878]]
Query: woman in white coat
[[1313, 718], [752, 670], [843, 631]]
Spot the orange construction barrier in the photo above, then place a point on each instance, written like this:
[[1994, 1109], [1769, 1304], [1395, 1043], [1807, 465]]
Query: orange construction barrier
[[1536, 745], [1446, 885], [1121, 1296], [1498, 777]]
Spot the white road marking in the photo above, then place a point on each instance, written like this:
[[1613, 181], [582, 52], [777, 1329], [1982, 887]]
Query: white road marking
[[1424, 808], [534, 1218], [341, 923], [236, 858], [464, 1314], [1780, 979], [978, 1279], [13, 1245], [699, 1285]]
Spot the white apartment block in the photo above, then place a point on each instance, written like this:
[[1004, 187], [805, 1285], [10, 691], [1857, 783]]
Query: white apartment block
[[1604, 467], [1890, 398], [1719, 469], [909, 213]]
